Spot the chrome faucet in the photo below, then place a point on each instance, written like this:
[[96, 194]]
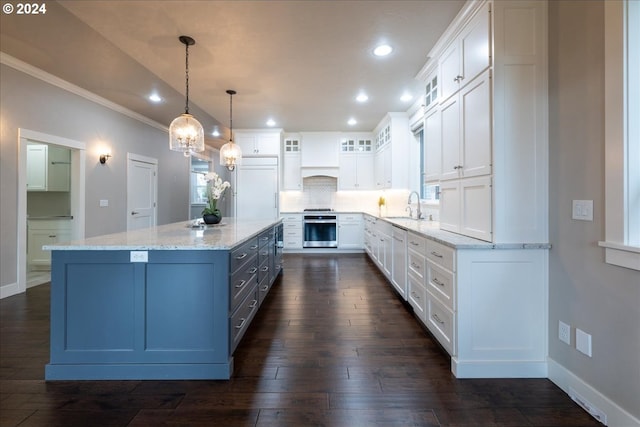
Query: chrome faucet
[[418, 210]]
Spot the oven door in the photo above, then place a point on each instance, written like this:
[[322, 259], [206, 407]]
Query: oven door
[[320, 232]]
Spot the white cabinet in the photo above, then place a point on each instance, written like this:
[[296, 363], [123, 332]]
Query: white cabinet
[[291, 162], [263, 142], [493, 103], [466, 206], [466, 131], [468, 55], [433, 145], [416, 274], [48, 168], [381, 246], [391, 163], [350, 231], [399, 261], [356, 164], [45, 232], [292, 231]]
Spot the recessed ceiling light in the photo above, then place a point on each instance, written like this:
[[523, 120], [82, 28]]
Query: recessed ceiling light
[[362, 97], [406, 97], [352, 121], [271, 122], [215, 133], [382, 50], [154, 97]]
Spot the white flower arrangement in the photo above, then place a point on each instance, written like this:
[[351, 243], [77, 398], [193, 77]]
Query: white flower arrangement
[[215, 190]]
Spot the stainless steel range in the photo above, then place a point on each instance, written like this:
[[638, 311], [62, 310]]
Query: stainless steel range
[[320, 228]]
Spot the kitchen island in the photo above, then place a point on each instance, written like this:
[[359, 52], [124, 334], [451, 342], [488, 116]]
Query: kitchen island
[[168, 302]]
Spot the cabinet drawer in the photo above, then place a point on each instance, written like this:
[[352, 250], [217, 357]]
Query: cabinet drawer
[[292, 219], [296, 226], [417, 297], [242, 254], [417, 265], [263, 270], [440, 321], [265, 238], [241, 319], [441, 283], [441, 254], [242, 282], [263, 288], [417, 243]]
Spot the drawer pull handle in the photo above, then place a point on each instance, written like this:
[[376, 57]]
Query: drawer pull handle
[[253, 304], [414, 295], [265, 268], [413, 243], [436, 254], [437, 319], [437, 282], [253, 247], [241, 323], [244, 255], [52, 236], [253, 270], [241, 284], [265, 289], [264, 238]]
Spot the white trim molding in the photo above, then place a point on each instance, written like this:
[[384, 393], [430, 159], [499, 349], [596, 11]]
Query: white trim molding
[[580, 391]]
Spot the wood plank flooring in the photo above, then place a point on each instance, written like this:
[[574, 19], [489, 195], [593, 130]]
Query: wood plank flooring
[[332, 346]]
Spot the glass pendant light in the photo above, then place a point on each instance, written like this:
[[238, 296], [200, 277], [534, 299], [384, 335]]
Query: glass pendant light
[[185, 132], [230, 153]]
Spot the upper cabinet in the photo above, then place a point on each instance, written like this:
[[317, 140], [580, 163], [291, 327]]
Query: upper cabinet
[[392, 159], [468, 54], [356, 162], [48, 168], [485, 131], [291, 157], [259, 142]]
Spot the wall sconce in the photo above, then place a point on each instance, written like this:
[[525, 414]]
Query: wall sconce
[[104, 157]]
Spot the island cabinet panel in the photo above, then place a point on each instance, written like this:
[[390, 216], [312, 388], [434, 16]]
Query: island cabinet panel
[[113, 318]]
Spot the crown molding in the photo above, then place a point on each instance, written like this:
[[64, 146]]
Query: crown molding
[[32, 71]]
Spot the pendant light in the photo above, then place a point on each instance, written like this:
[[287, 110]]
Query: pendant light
[[230, 153], [185, 132]]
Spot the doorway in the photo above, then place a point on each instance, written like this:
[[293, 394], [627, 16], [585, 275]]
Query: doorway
[[142, 191], [76, 198]]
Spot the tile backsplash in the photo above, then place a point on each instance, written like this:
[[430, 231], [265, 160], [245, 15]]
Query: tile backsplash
[[322, 192]]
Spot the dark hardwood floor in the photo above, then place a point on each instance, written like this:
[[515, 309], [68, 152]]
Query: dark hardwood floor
[[331, 346]]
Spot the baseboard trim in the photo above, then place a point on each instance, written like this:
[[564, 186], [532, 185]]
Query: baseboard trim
[[567, 380], [498, 369], [9, 290]]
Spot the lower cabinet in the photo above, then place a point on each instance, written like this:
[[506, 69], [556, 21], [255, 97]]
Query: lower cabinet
[[350, 231], [399, 260], [45, 232], [486, 306], [292, 231]]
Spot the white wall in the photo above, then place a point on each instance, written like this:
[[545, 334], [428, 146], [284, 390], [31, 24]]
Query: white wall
[[30, 103], [584, 291]]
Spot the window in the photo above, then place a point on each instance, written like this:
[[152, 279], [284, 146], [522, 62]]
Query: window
[[622, 134]]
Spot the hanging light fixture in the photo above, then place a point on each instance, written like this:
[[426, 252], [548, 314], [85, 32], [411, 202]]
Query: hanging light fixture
[[185, 132], [230, 153]]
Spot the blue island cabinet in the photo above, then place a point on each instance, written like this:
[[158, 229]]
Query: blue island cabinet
[[166, 318]]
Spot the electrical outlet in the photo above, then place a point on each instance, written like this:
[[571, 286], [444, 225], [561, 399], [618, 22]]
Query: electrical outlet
[[583, 342], [564, 332]]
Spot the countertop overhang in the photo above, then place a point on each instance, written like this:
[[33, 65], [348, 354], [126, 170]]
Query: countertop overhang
[[176, 236]]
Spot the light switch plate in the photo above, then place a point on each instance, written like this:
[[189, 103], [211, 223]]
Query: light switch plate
[[104, 203], [582, 210], [583, 342], [564, 332]]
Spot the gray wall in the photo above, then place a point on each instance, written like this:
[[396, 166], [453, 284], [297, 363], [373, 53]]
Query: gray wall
[[601, 299], [29, 103]]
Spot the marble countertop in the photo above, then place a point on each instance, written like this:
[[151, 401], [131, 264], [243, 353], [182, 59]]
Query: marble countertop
[[176, 236], [431, 230]]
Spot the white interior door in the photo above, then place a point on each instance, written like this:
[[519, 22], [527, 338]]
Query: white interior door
[[142, 184]]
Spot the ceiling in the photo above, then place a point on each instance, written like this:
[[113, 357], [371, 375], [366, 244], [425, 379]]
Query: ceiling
[[299, 62]]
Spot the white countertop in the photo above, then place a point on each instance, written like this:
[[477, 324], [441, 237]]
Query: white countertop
[[176, 236], [431, 230]]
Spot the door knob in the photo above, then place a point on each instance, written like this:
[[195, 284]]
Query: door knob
[[134, 213]]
